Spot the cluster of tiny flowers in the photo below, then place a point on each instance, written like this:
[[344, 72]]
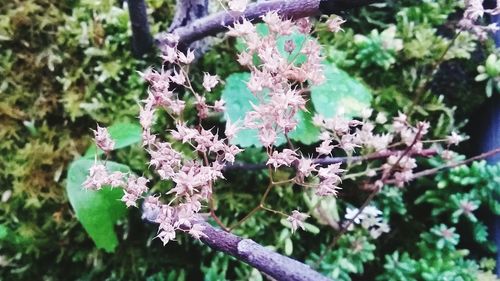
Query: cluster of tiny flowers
[[193, 179], [103, 139], [370, 219], [279, 84], [272, 80], [296, 220], [334, 22], [474, 10]]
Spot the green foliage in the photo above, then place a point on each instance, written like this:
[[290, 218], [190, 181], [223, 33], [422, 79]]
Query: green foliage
[[490, 71], [339, 91], [353, 251], [97, 211], [378, 48], [435, 258]]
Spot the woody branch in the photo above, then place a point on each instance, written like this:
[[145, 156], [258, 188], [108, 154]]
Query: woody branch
[[218, 22]]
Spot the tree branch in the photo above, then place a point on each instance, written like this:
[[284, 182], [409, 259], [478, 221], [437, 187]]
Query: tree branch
[[269, 262], [332, 160], [433, 171], [218, 22], [142, 41]]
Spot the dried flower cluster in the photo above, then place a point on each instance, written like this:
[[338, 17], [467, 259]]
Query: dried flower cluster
[[280, 84]]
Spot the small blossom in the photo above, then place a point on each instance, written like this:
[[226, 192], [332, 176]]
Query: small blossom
[[197, 231], [219, 106], [210, 81], [103, 139], [306, 167], [178, 78], [186, 58], [116, 179], [169, 55], [231, 129], [297, 220], [166, 234], [325, 148], [454, 139], [130, 199], [146, 117], [334, 22], [97, 178], [286, 158]]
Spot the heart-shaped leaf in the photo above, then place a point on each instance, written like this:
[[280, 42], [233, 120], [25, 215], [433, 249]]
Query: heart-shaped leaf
[[98, 211], [239, 101], [338, 91]]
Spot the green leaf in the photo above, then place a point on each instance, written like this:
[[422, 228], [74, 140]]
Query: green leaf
[[288, 246], [239, 101], [4, 232], [124, 134], [339, 90], [98, 211], [305, 132], [311, 228]]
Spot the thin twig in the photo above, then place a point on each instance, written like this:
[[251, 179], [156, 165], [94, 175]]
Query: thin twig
[[433, 171], [416, 175], [434, 69], [333, 160], [384, 178]]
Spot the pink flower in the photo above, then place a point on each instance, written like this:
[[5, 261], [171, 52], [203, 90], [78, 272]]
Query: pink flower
[[230, 152], [116, 179], [286, 158], [334, 22], [210, 81], [169, 55], [474, 10], [103, 139], [305, 167], [166, 234], [324, 148], [267, 137], [129, 199], [197, 231], [178, 78], [242, 28], [146, 117], [245, 59], [231, 129], [297, 220], [219, 106], [186, 58], [454, 138], [327, 187], [97, 178]]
